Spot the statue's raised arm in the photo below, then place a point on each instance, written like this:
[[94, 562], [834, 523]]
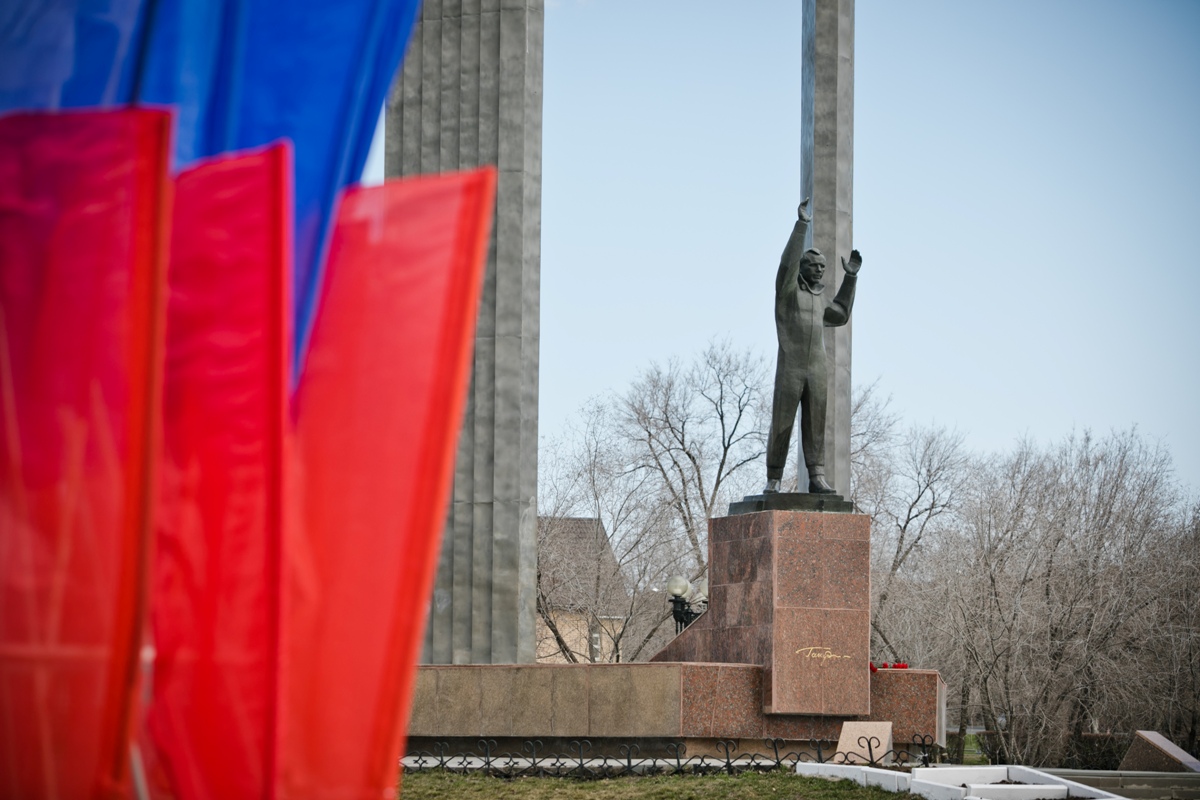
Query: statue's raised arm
[[789, 262], [838, 312]]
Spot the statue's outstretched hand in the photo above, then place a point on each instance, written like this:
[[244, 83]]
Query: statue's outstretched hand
[[854, 264], [802, 212]]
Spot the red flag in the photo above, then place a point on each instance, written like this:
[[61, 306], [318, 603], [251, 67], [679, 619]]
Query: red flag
[[84, 199], [378, 412], [214, 607]]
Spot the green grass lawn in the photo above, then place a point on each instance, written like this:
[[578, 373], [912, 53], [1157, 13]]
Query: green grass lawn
[[972, 755], [779, 785]]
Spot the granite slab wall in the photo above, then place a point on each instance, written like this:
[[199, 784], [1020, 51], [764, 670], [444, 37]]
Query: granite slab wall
[[470, 93], [789, 591], [669, 702], [914, 700], [1150, 751]]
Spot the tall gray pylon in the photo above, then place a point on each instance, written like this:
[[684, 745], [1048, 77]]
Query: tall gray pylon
[[827, 143], [471, 94]]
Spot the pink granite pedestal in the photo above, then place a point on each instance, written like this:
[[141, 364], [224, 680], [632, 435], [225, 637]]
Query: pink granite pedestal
[[789, 591]]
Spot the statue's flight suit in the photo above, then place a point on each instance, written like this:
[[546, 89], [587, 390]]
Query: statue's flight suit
[[801, 376]]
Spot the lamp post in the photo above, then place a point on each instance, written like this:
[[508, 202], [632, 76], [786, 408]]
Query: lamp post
[[681, 607]]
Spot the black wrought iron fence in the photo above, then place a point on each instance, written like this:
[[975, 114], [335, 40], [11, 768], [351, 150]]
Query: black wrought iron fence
[[583, 760]]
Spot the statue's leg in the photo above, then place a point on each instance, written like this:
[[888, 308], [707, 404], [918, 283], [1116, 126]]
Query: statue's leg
[[812, 418], [783, 417]]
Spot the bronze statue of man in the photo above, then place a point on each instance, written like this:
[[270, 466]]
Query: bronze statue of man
[[801, 377]]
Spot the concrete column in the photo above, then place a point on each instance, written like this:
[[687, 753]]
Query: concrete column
[[471, 94], [827, 141]]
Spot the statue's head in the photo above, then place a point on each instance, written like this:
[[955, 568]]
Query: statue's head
[[812, 266]]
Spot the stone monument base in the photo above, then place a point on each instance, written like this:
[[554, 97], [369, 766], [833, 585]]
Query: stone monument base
[[792, 501], [781, 653], [652, 705]]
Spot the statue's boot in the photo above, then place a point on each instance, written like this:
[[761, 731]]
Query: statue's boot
[[772, 486], [817, 484]]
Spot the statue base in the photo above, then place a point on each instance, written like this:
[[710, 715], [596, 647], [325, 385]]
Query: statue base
[[792, 501]]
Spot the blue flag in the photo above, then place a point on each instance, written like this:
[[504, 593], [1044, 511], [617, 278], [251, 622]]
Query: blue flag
[[240, 73]]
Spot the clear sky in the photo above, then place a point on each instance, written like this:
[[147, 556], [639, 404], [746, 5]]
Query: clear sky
[[1026, 199]]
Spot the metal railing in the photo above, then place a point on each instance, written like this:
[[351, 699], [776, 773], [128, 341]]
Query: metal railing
[[583, 762]]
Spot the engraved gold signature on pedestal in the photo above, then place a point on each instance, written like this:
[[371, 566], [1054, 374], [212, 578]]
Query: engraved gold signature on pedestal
[[823, 654]]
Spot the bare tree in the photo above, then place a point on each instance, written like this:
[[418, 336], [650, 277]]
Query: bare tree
[[909, 483], [874, 429], [1056, 588], [1172, 645], [606, 546], [651, 465], [694, 431], [1053, 589]]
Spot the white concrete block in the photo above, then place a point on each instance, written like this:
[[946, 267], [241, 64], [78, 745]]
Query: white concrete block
[[1005, 791], [957, 776], [887, 779], [1074, 789], [847, 772], [936, 791]]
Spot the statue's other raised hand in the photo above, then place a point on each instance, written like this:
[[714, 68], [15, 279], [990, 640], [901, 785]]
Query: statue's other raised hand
[[854, 264], [802, 211]]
